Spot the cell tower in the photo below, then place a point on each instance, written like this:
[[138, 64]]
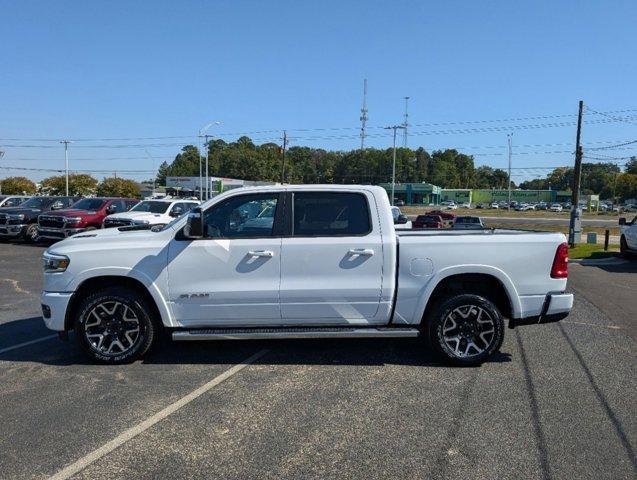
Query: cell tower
[[406, 122], [364, 114]]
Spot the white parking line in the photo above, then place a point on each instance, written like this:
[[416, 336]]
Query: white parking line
[[30, 342], [132, 432]]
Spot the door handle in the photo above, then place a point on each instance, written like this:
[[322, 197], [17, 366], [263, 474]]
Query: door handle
[[361, 251], [261, 253]]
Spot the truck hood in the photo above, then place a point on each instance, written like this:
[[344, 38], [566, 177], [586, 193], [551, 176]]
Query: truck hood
[[109, 238], [18, 210], [137, 215], [71, 212]]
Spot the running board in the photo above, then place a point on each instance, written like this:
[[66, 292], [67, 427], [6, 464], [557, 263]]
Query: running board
[[293, 332]]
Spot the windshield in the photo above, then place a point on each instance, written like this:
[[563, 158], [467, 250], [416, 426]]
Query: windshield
[[151, 206], [89, 204], [36, 202]]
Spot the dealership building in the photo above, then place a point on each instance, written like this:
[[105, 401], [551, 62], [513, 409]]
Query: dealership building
[[426, 194]]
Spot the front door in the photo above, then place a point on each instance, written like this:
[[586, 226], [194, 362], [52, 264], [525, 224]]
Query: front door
[[332, 264], [232, 275]]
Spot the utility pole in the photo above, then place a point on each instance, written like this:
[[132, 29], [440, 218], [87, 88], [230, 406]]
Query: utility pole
[[1, 155], [406, 122], [283, 148], [393, 168], [66, 163], [154, 174], [363, 116], [203, 134], [575, 226], [509, 138]]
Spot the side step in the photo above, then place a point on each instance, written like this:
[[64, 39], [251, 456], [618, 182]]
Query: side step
[[294, 332]]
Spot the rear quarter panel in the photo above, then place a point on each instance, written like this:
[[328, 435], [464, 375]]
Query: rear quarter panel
[[520, 261]]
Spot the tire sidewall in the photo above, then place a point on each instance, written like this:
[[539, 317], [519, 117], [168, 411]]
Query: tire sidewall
[[447, 306], [148, 330]]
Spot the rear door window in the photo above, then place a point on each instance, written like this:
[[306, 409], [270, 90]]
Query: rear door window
[[324, 214]]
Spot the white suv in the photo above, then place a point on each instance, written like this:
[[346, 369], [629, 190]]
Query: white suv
[[151, 212]]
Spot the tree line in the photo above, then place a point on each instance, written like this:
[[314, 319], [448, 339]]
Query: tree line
[[248, 161], [447, 168], [80, 185]]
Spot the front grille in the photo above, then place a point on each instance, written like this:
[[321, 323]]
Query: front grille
[[116, 222], [51, 221]]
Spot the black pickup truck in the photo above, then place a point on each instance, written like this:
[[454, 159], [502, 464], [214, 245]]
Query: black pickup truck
[[22, 222]]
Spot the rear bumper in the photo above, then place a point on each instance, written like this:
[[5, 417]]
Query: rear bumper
[[58, 233], [54, 305], [555, 307], [11, 231]]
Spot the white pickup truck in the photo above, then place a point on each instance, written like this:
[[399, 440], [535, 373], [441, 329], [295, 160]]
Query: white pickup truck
[[301, 262], [628, 238]]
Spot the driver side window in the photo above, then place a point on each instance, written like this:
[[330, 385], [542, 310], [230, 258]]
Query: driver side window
[[242, 216]]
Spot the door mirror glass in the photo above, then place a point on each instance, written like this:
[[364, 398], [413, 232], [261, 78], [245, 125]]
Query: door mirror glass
[[112, 208], [622, 221], [194, 225], [176, 211], [57, 206], [401, 219]]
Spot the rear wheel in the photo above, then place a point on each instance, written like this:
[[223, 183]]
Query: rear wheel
[[114, 326], [465, 329]]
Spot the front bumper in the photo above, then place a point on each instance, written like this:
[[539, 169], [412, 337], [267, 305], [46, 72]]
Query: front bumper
[[12, 231], [58, 233], [554, 307], [54, 305]]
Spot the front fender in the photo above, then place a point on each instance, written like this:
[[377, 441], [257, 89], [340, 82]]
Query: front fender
[[152, 286]]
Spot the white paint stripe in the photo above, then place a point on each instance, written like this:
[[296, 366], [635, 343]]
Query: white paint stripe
[[132, 432], [30, 342]]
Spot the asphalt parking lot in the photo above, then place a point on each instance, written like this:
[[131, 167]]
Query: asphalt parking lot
[[559, 401]]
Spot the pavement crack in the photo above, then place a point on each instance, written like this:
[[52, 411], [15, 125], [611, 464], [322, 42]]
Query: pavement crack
[[16, 285], [602, 400], [535, 411]]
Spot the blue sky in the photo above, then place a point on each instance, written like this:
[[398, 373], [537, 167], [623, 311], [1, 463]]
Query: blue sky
[[95, 70]]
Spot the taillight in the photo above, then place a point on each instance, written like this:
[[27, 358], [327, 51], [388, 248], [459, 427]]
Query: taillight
[[560, 262]]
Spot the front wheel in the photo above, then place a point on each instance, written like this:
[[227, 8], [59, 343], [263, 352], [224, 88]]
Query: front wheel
[[465, 329], [623, 248], [114, 326], [31, 234]]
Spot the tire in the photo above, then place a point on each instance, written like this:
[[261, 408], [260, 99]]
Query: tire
[[465, 329], [120, 317], [623, 248], [31, 234]]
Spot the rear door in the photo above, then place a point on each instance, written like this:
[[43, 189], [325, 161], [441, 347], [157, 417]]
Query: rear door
[[332, 262]]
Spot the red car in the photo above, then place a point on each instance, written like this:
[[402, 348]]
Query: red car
[[447, 217], [428, 221], [85, 214]]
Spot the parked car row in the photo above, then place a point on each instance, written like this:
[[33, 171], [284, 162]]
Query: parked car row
[[443, 219], [57, 217]]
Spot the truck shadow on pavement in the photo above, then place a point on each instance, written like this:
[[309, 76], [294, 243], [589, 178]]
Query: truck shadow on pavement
[[365, 352]]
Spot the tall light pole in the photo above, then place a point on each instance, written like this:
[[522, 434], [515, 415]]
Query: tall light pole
[[66, 162], [393, 168], [510, 139], [202, 133], [1, 155]]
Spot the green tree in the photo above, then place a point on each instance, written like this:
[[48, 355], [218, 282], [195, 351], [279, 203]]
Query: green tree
[[162, 173], [79, 184], [631, 166], [626, 186], [17, 186], [118, 187]]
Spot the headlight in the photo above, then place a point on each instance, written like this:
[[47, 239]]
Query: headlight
[[72, 219], [20, 216], [140, 222], [55, 263]]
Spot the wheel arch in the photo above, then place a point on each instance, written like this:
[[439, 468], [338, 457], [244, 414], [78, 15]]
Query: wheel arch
[[490, 282], [159, 308]]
